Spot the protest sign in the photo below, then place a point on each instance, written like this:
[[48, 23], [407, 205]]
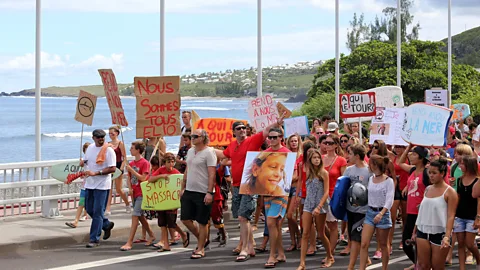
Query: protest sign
[[195, 117], [357, 105], [460, 111], [297, 125], [437, 97], [158, 106], [86, 104], [426, 124], [282, 109], [113, 97], [219, 130], [262, 112], [163, 194], [387, 126], [272, 178]]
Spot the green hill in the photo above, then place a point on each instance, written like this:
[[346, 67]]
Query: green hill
[[466, 47]]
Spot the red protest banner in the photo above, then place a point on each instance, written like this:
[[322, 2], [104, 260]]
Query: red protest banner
[[360, 104], [158, 106], [219, 130], [113, 97]]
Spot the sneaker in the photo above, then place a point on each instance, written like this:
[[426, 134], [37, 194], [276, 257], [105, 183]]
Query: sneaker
[[108, 231], [107, 214], [377, 255], [129, 209], [83, 218], [92, 245]]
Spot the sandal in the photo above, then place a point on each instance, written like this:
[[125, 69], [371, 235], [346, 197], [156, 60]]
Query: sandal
[[291, 248], [157, 246], [197, 256], [71, 225], [149, 242], [187, 241], [125, 248], [237, 251], [270, 264], [311, 254], [261, 250], [242, 258], [327, 263], [140, 241], [301, 267], [163, 250]]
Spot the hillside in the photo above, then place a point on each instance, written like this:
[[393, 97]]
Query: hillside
[[466, 47], [285, 81]]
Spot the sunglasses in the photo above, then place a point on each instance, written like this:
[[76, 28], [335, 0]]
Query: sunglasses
[[344, 141], [240, 128], [194, 136], [99, 137], [273, 137], [320, 133], [328, 143], [375, 146]]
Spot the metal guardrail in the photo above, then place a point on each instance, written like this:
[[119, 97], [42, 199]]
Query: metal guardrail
[[22, 194]]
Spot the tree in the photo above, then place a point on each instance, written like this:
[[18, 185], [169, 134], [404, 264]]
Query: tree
[[373, 64], [358, 34], [317, 107]]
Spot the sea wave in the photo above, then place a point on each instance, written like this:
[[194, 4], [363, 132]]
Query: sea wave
[[210, 100], [205, 108], [77, 134]]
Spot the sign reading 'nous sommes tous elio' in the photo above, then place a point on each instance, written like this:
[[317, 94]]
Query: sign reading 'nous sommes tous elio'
[[357, 105]]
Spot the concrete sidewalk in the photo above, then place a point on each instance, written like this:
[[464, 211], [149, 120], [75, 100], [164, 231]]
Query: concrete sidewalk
[[24, 233]]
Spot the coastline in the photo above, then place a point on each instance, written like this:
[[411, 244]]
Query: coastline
[[132, 97]]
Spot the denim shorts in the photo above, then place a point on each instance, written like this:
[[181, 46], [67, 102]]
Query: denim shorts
[[137, 207], [243, 205], [464, 225], [385, 222]]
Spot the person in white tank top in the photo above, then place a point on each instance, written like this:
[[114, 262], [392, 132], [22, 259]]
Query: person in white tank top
[[434, 225]]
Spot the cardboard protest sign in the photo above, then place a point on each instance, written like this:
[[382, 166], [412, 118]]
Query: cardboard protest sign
[[163, 194], [272, 178], [297, 125], [219, 130], [357, 105], [460, 111], [437, 97], [158, 106], [86, 104], [262, 112], [426, 124], [282, 109], [113, 97], [195, 117], [387, 126], [385, 97]]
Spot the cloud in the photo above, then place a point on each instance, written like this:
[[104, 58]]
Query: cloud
[[368, 6], [56, 63]]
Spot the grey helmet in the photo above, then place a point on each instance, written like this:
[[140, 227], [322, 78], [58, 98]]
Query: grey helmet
[[357, 195]]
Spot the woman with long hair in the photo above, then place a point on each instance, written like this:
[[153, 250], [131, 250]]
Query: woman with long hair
[[315, 207], [434, 225], [335, 164], [294, 144], [344, 142], [402, 178], [316, 123], [414, 190], [381, 189], [467, 214], [121, 155]]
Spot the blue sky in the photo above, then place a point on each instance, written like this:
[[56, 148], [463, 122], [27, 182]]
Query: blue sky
[[209, 35]]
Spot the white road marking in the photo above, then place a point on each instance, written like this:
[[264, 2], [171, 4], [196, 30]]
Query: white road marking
[[135, 257], [379, 265]]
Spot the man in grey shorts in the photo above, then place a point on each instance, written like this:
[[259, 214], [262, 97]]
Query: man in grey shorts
[[243, 206]]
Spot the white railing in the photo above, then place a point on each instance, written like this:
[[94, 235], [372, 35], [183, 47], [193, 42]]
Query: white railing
[[22, 194]]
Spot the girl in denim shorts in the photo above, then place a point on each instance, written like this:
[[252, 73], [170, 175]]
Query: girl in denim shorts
[[381, 191]]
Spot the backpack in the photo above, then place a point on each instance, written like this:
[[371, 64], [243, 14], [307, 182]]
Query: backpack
[[426, 178]]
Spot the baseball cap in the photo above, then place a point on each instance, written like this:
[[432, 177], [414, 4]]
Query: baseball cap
[[332, 126], [236, 124], [98, 133], [421, 151], [451, 129]]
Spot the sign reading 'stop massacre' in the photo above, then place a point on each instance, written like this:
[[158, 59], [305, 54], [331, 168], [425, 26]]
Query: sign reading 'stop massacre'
[[158, 106], [357, 105]]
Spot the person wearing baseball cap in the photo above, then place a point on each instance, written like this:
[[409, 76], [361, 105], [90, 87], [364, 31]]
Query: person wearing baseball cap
[[100, 163], [332, 128]]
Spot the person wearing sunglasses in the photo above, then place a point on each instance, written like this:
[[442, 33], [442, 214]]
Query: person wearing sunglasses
[[243, 206], [344, 142], [319, 131]]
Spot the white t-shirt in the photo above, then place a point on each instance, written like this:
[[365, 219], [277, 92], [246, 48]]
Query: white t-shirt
[[197, 166], [476, 134], [102, 182]]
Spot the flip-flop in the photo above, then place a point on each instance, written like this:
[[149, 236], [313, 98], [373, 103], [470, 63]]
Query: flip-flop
[[242, 258], [149, 243], [71, 225], [163, 250], [196, 256], [344, 253], [291, 248], [187, 241], [125, 249], [157, 246], [311, 254], [270, 264], [140, 241], [261, 250], [281, 261]]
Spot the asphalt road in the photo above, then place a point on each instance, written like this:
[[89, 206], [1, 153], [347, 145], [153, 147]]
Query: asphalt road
[[108, 256]]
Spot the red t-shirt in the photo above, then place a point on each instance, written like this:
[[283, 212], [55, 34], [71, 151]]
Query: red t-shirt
[[334, 173], [163, 170], [282, 149], [303, 175], [402, 175], [238, 153], [416, 190], [142, 167]]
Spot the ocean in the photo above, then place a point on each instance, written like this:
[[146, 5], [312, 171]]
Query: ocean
[[61, 133]]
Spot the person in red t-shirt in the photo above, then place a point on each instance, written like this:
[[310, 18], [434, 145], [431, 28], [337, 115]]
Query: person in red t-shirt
[[167, 218], [137, 173], [243, 205]]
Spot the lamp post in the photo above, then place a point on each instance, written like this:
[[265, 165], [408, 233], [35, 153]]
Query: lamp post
[[162, 37], [337, 62], [259, 48]]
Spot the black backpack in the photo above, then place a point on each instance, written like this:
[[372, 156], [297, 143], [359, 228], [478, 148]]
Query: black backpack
[[426, 178]]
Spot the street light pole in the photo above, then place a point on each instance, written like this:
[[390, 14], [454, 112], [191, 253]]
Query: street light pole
[[162, 37], [399, 43], [337, 62], [38, 90], [259, 48], [449, 53]]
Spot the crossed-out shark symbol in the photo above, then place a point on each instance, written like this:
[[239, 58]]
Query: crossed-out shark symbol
[[85, 107]]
